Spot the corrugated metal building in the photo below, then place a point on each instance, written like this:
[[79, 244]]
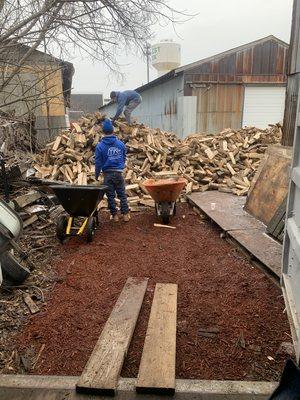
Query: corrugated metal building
[[242, 86]]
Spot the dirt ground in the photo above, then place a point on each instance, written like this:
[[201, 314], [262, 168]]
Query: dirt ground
[[217, 288]]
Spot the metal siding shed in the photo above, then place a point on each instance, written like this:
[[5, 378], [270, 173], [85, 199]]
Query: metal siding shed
[[160, 106]]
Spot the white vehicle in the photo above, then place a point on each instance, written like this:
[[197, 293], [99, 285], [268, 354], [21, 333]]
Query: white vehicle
[[10, 230]]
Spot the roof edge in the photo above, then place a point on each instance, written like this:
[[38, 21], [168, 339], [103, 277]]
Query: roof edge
[[169, 75]]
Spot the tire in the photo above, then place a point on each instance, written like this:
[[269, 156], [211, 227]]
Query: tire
[[96, 219], [174, 210], [61, 227], [165, 213], [90, 229], [12, 270]]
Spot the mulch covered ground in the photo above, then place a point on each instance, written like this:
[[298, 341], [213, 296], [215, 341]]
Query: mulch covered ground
[[217, 287]]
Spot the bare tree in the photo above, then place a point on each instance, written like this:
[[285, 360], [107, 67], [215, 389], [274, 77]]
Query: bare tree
[[98, 29]]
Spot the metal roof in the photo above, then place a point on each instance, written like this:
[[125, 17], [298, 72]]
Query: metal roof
[[180, 70], [228, 52]]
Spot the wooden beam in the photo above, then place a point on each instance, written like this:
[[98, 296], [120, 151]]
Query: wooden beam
[[102, 371], [157, 368], [28, 198]]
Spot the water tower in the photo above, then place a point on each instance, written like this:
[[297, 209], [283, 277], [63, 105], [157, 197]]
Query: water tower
[[165, 56]]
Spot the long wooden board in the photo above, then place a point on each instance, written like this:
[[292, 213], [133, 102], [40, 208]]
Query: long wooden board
[[102, 371], [157, 368], [229, 214]]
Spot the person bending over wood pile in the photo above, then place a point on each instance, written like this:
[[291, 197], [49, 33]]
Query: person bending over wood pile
[[129, 99], [110, 158]]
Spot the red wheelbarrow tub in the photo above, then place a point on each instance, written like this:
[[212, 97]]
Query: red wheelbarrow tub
[[165, 189]]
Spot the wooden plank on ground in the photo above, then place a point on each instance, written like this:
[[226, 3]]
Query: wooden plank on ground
[[229, 214], [102, 371], [263, 247], [157, 368]]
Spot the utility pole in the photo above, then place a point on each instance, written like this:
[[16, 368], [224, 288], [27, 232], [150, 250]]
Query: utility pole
[[148, 54]]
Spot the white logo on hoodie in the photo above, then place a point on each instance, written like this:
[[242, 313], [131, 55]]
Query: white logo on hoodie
[[114, 152]]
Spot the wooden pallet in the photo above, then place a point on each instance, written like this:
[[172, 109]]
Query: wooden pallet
[[157, 371]]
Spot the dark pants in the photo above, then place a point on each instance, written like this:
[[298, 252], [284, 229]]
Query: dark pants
[[116, 184]]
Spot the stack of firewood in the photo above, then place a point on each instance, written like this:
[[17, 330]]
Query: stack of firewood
[[226, 161]]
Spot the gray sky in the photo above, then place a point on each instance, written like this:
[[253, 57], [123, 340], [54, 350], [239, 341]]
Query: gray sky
[[220, 25]]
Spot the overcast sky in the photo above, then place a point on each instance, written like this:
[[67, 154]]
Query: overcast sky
[[220, 25]]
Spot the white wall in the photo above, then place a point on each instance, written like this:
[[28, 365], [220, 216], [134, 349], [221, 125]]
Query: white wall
[[263, 105]]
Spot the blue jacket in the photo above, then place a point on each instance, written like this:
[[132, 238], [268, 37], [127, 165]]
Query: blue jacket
[[110, 154], [124, 98]]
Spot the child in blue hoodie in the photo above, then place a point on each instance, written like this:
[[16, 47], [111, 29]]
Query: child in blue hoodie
[[110, 158]]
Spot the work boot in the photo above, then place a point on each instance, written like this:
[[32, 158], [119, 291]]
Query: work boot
[[126, 217], [115, 218]]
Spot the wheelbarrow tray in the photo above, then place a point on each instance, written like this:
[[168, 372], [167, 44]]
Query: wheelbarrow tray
[[165, 190], [79, 201]]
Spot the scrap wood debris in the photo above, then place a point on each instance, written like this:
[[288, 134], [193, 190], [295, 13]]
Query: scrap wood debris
[[38, 210], [16, 133], [226, 161]]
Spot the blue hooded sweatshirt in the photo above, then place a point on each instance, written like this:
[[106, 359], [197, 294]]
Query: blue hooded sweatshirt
[[110, 155], [124, 98]]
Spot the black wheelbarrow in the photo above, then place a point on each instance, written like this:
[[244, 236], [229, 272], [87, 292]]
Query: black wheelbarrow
[[78, 201]]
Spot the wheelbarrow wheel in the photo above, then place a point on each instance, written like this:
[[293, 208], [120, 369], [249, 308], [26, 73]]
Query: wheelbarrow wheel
[[174, 210], [96, 218], [61, 227], [90, 229], [13, 271], [165, 213]]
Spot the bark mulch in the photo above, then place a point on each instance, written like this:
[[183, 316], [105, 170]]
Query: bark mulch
[[217, 288]]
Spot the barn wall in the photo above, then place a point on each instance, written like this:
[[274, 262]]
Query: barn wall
[[219, 82], [218, 107]]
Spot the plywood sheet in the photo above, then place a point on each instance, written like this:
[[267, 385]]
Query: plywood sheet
[[262, 246], [225, 209], [271, 186]]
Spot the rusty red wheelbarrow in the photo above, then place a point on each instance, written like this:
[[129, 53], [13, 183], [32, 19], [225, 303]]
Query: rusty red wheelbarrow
[[165, 192]]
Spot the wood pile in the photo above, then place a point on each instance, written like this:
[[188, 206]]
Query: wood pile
[[226, 161], [16, 134]]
